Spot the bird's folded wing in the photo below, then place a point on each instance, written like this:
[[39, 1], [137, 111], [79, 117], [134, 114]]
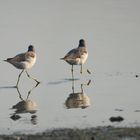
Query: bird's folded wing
[[19, 57], [73, 54]]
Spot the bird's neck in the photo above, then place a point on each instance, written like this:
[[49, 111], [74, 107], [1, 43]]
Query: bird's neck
[[81, 46], [31, 50]]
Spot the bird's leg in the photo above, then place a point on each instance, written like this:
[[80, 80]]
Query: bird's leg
[[81, 70], [88, 71], [73, 85], [19, 78], [72, 72], [32, 78]]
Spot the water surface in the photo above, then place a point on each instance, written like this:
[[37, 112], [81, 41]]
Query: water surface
[[111, 30]]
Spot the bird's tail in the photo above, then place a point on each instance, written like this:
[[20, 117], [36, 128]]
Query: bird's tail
[[62, 58], [6, 60]]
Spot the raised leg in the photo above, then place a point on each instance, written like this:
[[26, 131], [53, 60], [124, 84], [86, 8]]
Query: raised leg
[[81, 70], [19, 78], [32, 78]]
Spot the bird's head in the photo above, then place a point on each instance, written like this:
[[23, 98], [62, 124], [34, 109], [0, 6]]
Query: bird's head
[[82, 43], [31, 48]]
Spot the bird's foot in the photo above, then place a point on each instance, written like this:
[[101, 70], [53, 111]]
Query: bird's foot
[[37, 82], [88, 71]]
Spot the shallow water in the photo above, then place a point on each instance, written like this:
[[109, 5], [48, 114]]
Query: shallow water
[[112, 32]]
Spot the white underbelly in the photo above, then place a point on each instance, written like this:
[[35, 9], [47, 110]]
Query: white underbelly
[[83, 58], [24, 64]]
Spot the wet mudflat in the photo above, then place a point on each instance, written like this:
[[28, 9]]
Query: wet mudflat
[[100, 133]]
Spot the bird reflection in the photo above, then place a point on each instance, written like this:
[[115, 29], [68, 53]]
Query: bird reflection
[[25, 106], [78, 99]]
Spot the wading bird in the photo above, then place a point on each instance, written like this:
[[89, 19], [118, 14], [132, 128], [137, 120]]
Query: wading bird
[[24, 61], [77, 56]]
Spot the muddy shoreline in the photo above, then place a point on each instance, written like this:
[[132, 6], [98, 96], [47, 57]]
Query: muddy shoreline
[[99, 133]]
